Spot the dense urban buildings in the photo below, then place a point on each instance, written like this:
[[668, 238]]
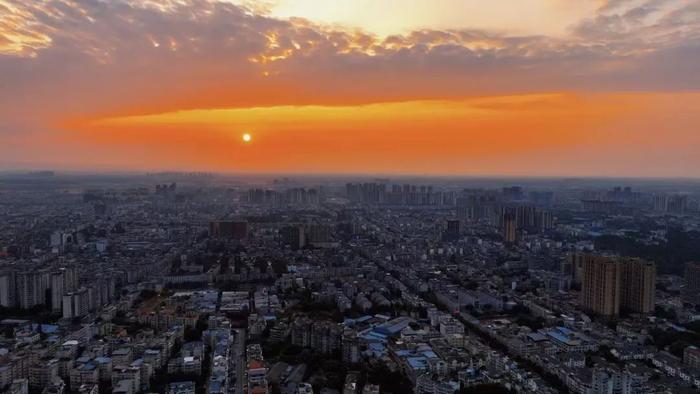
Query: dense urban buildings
[[215, 284]]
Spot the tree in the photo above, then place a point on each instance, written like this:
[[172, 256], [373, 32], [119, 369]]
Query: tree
[[389, 381]]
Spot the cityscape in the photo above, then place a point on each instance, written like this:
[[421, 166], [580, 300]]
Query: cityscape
[[349, 196], [200, 283]]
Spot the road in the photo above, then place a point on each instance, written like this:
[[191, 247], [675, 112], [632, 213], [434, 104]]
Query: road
[[238, 359]]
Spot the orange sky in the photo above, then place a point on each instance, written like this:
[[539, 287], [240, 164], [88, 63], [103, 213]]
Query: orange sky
[[174, 85]]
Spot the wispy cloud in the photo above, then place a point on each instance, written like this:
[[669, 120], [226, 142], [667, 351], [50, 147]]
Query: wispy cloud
[[86, 56]]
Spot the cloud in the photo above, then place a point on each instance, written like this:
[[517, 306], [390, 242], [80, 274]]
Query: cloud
[[62, 61], [643, 25]]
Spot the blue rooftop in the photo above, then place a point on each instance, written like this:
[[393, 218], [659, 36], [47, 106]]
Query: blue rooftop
[[562, 337], [418, 362], [537, 337], [373, 336], [49, 328], [394, 326], [565, 330], [430, 354]]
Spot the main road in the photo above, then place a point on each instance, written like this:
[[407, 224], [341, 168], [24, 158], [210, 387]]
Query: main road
[[238, 359]]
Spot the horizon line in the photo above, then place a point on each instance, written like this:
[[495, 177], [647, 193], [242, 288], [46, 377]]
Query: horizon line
[[58, 172]]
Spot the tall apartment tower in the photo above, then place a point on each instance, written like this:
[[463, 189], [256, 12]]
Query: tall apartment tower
[[7, 289], [237, 229], [70, 278], [638, 285], [452, 230], [76, 304], [600, 285], [465, 208], [611, 283], [572, 266], [510, 230], [294, 236], [57, 290], [692, 279], [31, 287]]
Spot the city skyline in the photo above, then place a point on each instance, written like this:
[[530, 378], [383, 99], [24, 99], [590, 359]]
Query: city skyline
[[541, 88], [189, 283], [349, 196]]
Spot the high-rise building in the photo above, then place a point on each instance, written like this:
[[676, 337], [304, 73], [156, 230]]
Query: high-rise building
[[57, 290], [674, 203], [465, 208], [544, 220], [524, 216], [70, 278], [611, 283], [31, 288], [62, 281], [510, 231], [572, 266], [294, 236], [660, 202], [318, 233], [692, 279], [326, 337], [301, 332], [600, 285], [28, 289], [452, 231], [229, 229], [7, 289], [637, 285], [677, 204], [373, 193], [76, 304], [351, 348], [478, 206]]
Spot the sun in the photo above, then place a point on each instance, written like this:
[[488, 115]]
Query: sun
[[246, 137]]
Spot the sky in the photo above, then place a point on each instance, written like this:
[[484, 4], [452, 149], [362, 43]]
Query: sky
[[441, 87]]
